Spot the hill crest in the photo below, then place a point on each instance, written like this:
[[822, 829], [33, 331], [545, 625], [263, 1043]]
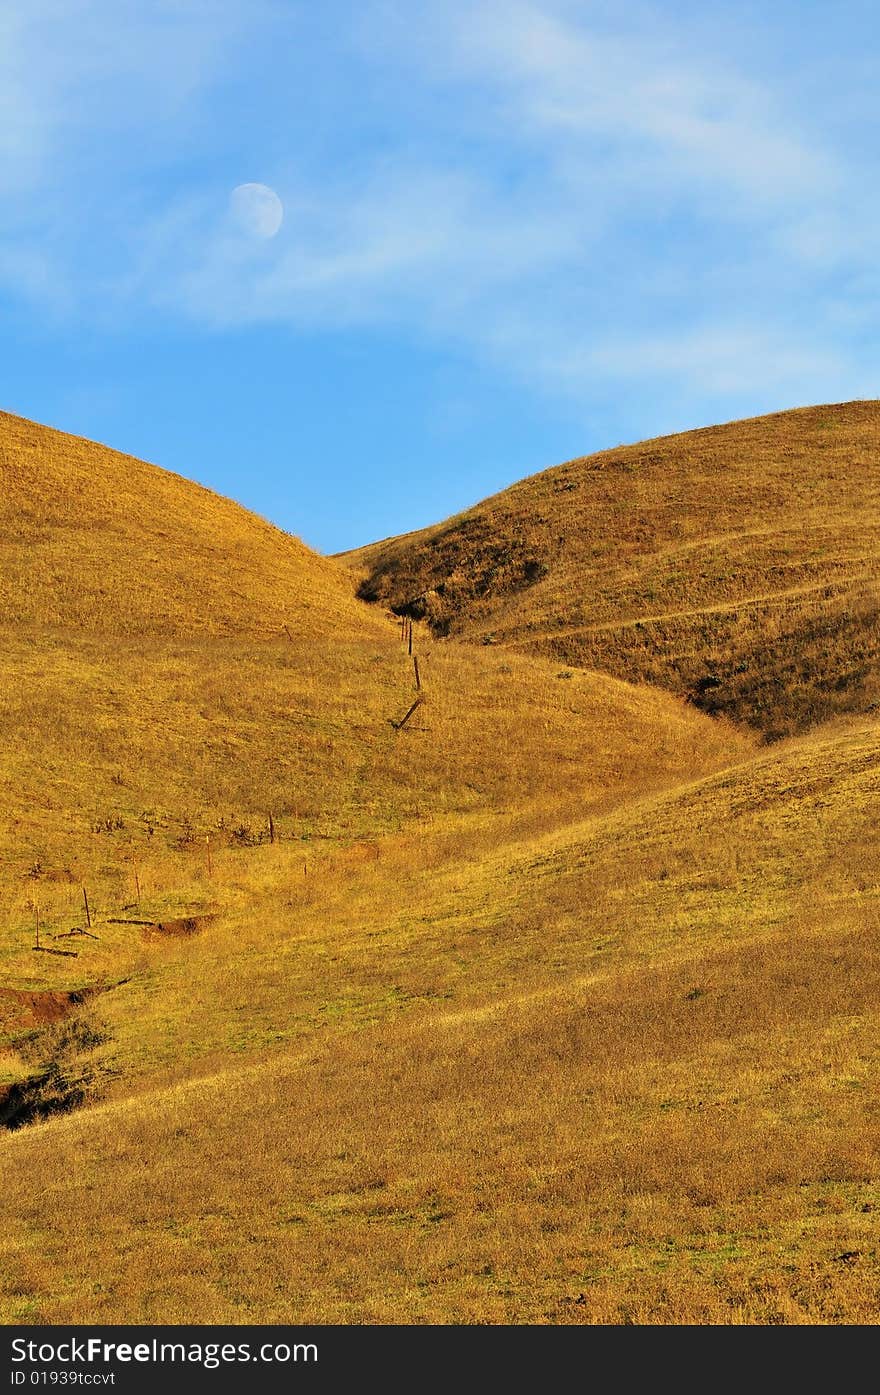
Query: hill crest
[[96, 540], [736, 565]]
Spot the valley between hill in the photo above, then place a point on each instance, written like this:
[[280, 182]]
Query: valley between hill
[[557, 1002], [737, 566]]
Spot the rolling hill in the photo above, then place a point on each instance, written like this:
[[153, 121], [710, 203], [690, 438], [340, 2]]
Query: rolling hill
[[556, 1003], [163, 726], [98, 542], [169, 651], [736, 565], [621, 1072]]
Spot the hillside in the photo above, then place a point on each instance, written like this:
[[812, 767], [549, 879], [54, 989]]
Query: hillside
[[735, 565], [619, 1072], [99, 542], [555, 1003], [174, 668], [145, 751]]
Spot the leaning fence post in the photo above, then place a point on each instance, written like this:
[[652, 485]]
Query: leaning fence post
[[405, 718]]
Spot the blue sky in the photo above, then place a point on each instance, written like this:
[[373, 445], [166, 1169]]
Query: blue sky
[[513, 233]]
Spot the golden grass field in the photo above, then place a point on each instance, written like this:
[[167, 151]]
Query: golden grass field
[[558, 1004], [747, 554]]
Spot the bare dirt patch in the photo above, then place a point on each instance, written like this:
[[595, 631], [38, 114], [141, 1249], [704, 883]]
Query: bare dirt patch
[[178, 927], [181, 927], [24, 1008], [55, 1035]]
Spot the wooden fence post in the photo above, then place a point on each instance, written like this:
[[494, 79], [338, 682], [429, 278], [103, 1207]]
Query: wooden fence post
[[405, 718]]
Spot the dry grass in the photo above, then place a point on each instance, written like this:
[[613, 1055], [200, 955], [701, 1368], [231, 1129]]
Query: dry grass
[[620, 1073], [95, 541], [559, 1005], [617, 1073], [748, 553], [137, 773]]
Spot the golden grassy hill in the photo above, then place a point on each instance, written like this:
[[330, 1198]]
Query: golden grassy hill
[[92, 540], [737, 565], [174, 666], [618, 1072], [130, 772], [141, 747], [557, 1004]]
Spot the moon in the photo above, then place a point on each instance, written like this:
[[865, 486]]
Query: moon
[[256, 209]]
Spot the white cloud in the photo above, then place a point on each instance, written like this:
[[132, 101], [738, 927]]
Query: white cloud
[[731, 358], [619, 135], [582, 195], [97, 97], [81, 74], [580, 87], [407, 245]]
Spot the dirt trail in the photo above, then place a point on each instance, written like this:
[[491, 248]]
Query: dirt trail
[[719, 608]]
